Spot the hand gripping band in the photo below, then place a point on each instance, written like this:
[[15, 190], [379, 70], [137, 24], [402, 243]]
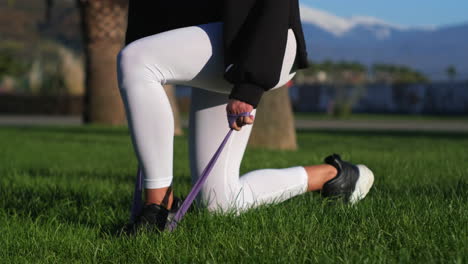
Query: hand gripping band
[[232, 117]]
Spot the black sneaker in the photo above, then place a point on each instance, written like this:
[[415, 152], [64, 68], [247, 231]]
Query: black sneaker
[[154, 217], [352, 182], [176, 203]]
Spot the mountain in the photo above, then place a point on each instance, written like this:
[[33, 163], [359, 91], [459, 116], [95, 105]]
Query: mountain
[[364, 39], [339, 26], [371, 40]]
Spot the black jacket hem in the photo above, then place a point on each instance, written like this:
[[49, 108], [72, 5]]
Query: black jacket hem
[[248, 93]]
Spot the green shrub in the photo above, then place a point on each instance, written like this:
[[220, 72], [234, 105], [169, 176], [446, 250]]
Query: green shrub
[[11, 63]]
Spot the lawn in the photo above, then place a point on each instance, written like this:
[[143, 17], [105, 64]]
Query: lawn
[[64, 191], [382, 117]]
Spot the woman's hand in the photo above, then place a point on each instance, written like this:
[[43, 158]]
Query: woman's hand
[[236, 107]]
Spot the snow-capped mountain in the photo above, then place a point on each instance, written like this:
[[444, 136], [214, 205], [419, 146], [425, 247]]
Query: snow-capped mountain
[[370, 40], [339, 26]]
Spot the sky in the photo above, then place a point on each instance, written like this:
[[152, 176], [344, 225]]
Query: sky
[[402, 12]]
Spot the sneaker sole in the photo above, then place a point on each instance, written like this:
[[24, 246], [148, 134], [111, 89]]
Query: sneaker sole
[[363, 185]]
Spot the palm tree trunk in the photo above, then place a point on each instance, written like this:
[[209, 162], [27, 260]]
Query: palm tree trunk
[[103, 25], [274, 122]]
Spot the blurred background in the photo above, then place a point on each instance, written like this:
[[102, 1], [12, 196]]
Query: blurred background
[[368, 57]]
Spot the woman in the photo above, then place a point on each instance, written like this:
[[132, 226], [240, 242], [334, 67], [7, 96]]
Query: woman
[[231, 52]]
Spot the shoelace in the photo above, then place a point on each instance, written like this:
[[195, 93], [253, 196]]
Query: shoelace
[[137, 203]]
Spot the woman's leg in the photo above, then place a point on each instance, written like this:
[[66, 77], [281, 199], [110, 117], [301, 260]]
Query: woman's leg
[[175, 56], [150, 120], [193, 56], [224, 189], [181, 56]]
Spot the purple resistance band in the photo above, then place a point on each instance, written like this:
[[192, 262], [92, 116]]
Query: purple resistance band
[[137, 204]]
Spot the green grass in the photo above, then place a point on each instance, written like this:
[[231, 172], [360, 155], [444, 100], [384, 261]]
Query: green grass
[[64, 191], [382, 117]]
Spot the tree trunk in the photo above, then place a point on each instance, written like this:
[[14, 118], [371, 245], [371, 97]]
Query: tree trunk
[[175, 109], [103, 25], [274, 122]]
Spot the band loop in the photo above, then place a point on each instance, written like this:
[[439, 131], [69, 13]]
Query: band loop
[[233, 117]]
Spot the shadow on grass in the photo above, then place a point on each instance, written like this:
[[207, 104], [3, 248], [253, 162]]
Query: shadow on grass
[[75, 134], [382, 133], [123, 131], [78, 130]]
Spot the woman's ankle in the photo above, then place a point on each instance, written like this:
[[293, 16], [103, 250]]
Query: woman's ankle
[[318, 175], [161, 196]]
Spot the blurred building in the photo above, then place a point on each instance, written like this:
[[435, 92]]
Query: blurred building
[[433, 98]]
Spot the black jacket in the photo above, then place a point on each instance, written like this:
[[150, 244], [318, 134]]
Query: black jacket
[[255, 35]]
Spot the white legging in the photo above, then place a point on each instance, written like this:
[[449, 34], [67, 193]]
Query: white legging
[[193, 56]]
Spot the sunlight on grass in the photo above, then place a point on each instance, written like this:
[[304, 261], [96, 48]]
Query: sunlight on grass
[[65, 191]]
